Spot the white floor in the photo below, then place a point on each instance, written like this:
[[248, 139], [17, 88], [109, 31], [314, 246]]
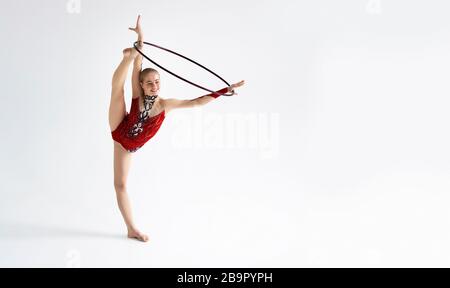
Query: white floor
[[396, 220]]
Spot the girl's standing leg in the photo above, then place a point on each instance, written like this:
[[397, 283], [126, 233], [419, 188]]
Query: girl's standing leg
[[122, 161]]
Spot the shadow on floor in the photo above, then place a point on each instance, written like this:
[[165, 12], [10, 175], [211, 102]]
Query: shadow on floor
[[28, 230]]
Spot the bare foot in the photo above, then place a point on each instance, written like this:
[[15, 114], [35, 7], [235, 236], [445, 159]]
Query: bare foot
[[135, 234]]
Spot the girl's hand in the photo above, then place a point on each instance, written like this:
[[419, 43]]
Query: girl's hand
[[236, 85], [138, 28]]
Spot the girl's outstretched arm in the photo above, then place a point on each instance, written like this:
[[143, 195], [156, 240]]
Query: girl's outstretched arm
[[171, 104]]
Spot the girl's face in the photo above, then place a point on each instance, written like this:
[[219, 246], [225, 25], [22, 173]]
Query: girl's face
[[150, 84]]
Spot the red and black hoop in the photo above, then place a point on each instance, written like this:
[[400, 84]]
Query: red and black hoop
[[179, 77]]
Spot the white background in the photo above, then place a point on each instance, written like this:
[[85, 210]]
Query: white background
[[346, 162]]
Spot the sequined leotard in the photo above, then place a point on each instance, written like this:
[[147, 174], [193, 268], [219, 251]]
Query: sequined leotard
[[138, 127]]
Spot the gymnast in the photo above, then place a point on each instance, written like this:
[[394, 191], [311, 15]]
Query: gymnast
[[130, 131]]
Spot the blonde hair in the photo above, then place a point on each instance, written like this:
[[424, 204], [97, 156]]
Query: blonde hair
[[145, 72]]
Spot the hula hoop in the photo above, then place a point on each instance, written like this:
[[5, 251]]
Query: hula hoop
[[179, 77]]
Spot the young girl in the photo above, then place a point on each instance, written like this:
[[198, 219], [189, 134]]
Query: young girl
[[130, 131]]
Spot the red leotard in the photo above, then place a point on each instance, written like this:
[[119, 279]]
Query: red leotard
[[135, 129]]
